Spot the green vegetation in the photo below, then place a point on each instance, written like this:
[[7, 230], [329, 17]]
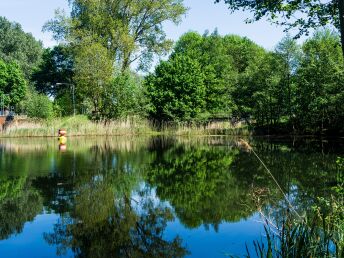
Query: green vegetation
[[54, 74], [20, 47], [320, 233], [37, 106], [12, 84], [130, 30], [294, 89], [303, 15], [209, 78], [177, 90]]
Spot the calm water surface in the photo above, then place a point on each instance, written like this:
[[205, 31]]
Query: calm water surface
[[152, 197]]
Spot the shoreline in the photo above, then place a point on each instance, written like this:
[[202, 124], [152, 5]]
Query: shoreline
[[81, 126]]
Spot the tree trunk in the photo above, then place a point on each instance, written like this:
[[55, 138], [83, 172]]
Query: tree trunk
[[341, 21]]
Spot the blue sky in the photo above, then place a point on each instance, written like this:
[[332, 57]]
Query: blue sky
[[203, 15]]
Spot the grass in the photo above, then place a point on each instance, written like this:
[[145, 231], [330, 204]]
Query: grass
[[82, 126], [76, 126]]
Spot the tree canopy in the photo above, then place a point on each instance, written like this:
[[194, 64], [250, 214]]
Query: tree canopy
[[304, 15], [55, 71], [176, 90], [18, 46], [12, 83], [130, 29], [93, 72]]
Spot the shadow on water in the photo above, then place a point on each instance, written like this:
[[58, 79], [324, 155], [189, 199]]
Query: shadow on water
[[119, 197]]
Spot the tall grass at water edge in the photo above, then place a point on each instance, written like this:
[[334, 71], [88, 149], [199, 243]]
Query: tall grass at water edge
[[82, 126], [75, 126]]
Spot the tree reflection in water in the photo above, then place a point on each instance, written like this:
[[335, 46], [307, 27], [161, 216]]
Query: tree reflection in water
[[116, 198], [107, 221], [199, 184], [18, 204]]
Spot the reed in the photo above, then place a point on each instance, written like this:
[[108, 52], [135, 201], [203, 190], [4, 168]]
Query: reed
[[82, 126], [77, 126]]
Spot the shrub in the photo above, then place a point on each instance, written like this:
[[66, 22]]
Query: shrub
[[38, 106]]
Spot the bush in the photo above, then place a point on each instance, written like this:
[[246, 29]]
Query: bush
[[123, 97], [38, 106]]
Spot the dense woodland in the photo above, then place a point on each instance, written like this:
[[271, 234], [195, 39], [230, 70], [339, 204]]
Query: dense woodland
[[102, 67]]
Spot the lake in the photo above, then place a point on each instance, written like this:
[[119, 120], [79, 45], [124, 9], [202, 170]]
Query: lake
[[153, 196]]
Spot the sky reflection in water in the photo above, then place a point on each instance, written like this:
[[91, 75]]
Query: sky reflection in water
[[150, 197]]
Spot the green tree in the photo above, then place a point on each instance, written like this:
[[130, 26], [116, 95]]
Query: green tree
[[248, 58], [12, 83], [295, 13], [55, 72], [93, 73], [320, 87], [217, 65], [176, 90], [130, 29], [290, 52], [37, 105], [18, 46], [124, 97]]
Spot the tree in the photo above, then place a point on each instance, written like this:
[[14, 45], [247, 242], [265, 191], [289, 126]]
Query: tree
[[320, 87], [295, 13], [93, 73], [217, 65], [176, 90], [55, 71], [12, 84], [259, 90], [18, 46], [130, 29], [247, 58], [38, 106], [290, 52], [124, 97]]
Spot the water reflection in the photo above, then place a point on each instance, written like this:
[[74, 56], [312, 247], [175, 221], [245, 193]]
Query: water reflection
[[198, 182], [18, 204], [119, 197]]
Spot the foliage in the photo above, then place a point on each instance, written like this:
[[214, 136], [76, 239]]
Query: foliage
[[211, 52], [304, 15], [93, 73], [176, 90], [290, 54], [258, 91], [320, 85], [124, 97], [55, 72], [131, 30], [18, 46], [12, 84], [37, 106]]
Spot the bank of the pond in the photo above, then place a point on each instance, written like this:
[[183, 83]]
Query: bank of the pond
[[82, 126]]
